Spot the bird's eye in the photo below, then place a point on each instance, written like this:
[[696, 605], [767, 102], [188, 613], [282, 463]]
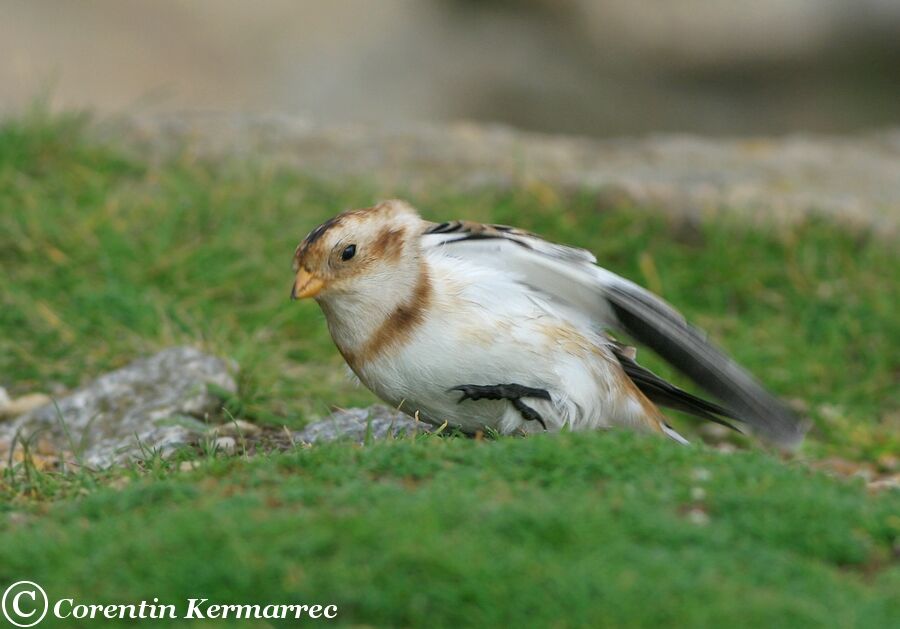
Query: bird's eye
[[348, 252]]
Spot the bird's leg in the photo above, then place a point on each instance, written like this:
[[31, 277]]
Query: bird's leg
[[512, 392]]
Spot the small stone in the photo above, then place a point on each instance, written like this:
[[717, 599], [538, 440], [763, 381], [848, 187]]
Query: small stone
[[4, 400], [884, 483], [237, 428], [121, 482], [42, 462], [24, 404], [45, 447], [847, 467], [355, 424], [698, 516], [226, 444], [17, 518], [715, 432], [830, 413], [186, 466], [700, 474], [698, 493]]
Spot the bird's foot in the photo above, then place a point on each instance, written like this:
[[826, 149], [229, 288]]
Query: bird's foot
[[512, 392]]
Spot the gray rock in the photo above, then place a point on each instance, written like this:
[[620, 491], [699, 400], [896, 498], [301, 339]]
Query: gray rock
[[851, 179], [354, 424], [150, 405], [226, 444]]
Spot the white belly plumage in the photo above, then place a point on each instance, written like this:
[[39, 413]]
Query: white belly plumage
[[477, 337]]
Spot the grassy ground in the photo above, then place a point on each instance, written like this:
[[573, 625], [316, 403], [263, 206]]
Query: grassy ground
[[575, 530], [106, 256]]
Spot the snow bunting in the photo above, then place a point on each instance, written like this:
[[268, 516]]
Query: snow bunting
[[488, 326]]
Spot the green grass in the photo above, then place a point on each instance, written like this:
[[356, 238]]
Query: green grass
[[106, 256], [568, 530]]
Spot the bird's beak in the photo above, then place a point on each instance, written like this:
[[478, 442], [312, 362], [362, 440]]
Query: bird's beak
[[306, 285]]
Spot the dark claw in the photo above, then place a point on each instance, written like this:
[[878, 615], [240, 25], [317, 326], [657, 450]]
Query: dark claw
[[499, 392], [528, 413], [511, 392], [479, 392]]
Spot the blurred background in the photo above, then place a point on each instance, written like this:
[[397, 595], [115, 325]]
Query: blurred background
[[601, 67]]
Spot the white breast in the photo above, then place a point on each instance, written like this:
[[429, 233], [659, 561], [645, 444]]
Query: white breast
[[484, 327]]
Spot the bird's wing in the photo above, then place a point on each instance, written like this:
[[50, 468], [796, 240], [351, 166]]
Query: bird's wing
[[664, 393], [571, 276]]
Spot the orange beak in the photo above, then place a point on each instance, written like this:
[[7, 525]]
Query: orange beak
[[306, 285]]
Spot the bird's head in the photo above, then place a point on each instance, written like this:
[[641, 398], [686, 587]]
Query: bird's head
[[359, 255]]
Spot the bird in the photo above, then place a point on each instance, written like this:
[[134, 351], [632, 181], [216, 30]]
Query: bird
[[486, 327]]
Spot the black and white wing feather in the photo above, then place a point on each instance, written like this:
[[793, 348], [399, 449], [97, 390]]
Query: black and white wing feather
[[571, 276]]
